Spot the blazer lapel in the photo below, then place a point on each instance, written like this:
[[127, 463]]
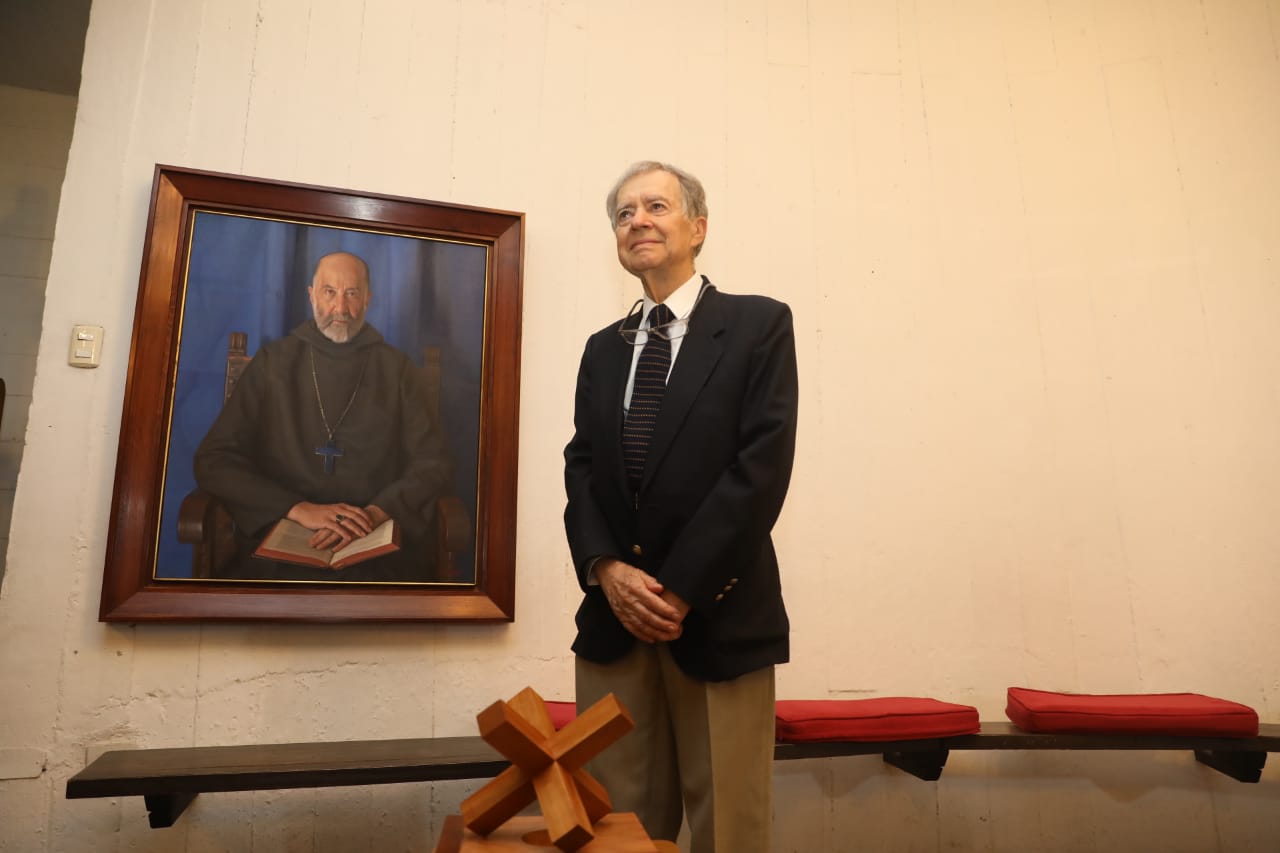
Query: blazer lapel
[[614, 395], [699, 352]]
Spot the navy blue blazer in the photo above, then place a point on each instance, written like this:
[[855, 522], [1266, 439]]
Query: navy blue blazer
[[716, 474]]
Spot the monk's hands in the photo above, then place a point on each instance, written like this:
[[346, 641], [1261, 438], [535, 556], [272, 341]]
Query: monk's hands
[[376, 515], [335, 524], [641, 604]]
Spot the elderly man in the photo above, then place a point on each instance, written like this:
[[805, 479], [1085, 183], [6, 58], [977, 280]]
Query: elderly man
[[329, 427], [684, 432]]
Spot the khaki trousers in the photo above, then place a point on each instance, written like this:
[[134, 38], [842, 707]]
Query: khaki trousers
[[708, 743]]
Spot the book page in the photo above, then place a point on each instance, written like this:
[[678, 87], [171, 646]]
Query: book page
[[292, 538], [383, 534]]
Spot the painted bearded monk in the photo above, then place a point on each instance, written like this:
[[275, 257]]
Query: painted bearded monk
[[329, 427]]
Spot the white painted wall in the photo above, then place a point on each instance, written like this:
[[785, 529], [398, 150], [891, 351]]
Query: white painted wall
[[1031, 248]]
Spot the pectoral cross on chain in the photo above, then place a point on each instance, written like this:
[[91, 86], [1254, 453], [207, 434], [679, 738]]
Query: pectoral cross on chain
[[330, 451]]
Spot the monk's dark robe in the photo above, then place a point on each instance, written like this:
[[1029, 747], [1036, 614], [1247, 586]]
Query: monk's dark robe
[[260, 458]]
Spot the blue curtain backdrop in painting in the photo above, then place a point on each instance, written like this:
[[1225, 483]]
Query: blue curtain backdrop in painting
[[251, 275]]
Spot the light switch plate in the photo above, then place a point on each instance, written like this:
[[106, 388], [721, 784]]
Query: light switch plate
[[86, 346]]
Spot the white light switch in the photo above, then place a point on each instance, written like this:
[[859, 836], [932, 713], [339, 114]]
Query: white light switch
[[86, 346]]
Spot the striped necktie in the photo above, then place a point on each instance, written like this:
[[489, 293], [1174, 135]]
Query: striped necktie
[[646, 397]]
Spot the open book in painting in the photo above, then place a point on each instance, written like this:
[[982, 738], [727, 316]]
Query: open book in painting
[[288, 540]]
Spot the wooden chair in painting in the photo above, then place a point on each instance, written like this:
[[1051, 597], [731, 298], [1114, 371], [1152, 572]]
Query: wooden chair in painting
[[205, 524]]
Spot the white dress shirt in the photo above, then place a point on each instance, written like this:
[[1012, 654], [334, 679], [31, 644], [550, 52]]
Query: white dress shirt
[[680, 302]]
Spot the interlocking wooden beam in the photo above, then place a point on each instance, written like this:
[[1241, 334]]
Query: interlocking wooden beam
[[546, 765]]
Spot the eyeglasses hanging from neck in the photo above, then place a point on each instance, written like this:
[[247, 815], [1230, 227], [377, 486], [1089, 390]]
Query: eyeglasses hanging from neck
[[668, 331]]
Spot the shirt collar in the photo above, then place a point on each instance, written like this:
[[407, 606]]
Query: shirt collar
[[680, 301]]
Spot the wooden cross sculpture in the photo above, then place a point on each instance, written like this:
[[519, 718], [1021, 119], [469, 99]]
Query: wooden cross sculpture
[[546, 765]]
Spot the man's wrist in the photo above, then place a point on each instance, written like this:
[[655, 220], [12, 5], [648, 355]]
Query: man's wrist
[[596, 566]]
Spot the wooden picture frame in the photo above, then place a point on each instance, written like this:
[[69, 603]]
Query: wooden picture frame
[[142, 585]]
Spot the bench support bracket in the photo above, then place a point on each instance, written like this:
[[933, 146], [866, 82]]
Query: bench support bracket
[[1243, 766], [924, 764], [164, 809]]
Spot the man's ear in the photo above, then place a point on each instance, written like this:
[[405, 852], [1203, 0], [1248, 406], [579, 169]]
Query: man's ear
[[699, 230]]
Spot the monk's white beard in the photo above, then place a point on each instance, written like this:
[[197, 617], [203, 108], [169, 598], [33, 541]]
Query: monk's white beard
[[341, 334]]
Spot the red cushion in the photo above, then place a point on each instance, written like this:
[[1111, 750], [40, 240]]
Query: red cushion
[[890, 718], [562, 713], [1179, 714]]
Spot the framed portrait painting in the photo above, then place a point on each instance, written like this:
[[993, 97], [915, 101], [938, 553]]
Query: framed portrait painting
[[320, 418]]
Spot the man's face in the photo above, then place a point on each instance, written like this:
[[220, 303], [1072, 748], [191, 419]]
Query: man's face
[[654, 234], [339, 297]]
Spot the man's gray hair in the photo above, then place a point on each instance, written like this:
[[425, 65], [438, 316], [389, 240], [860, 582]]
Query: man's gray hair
[[693, 196]]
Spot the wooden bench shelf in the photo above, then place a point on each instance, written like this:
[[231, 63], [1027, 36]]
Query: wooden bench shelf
[[169, 779]]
